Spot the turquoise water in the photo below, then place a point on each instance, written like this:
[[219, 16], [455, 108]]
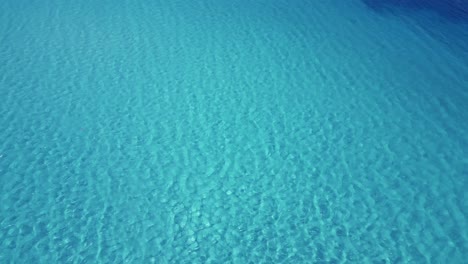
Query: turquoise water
[[232, 132]]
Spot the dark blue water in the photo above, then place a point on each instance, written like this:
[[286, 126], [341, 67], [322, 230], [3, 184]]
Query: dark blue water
[[452, 10]]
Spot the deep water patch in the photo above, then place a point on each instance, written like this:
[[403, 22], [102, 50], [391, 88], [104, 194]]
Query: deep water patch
[[445, 21], [453, 10]]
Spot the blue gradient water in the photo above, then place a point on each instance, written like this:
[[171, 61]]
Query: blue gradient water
[[232, 132]]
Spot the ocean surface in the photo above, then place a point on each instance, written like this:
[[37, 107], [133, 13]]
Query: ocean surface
[[233, 131]]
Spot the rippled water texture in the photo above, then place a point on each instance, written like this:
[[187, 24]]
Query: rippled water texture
[[232, 132]]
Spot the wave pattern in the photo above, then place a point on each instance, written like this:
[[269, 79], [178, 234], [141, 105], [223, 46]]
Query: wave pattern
[[228, 132]]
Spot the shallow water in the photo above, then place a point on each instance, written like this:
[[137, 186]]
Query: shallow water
[[231, 132]]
